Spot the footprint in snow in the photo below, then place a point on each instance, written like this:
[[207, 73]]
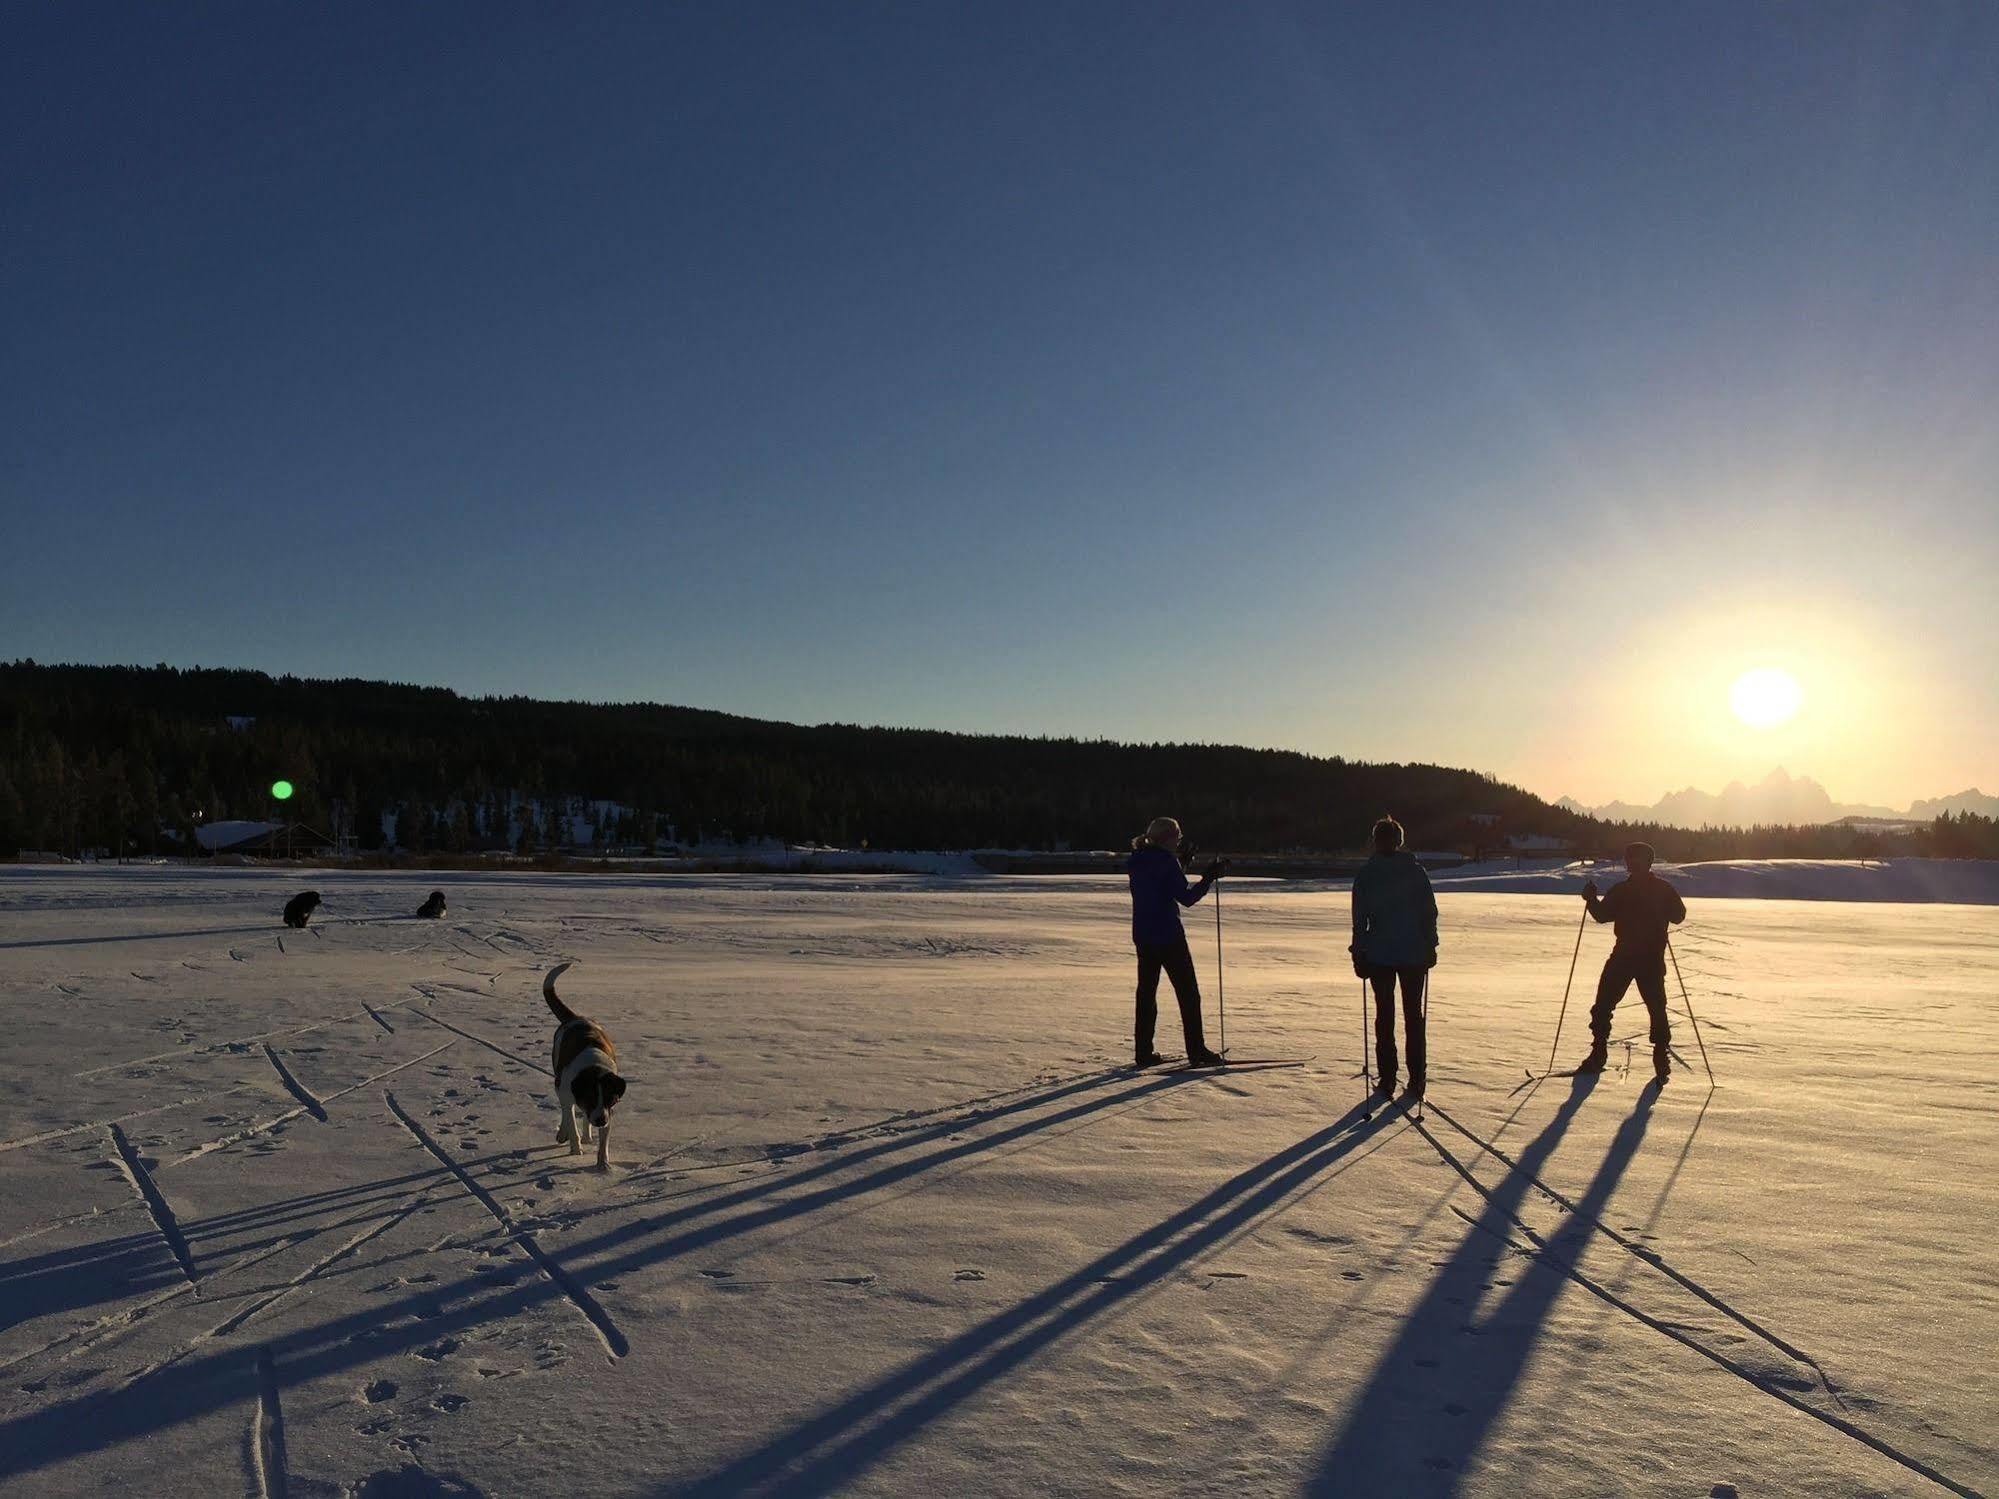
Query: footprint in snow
[[442, 1348], [970, 1275], [380, 1390]]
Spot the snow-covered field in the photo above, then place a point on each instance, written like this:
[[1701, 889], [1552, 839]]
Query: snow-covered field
[[281, 1213]]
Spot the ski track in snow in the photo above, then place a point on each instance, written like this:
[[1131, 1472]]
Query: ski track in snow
[[380, 1223], [492, 1046], [1650, 1258], [43, 1137], [1543, 1254], [296, 1088], [607, 1331], [236, 1137], [88, 1336], [142, 1183], [239, 1044], [267, 1433]]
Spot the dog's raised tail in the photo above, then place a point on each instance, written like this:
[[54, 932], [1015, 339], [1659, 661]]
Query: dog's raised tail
[[562, 1011]]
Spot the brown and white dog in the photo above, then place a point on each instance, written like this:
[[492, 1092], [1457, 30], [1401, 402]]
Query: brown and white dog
[[586, 1075]]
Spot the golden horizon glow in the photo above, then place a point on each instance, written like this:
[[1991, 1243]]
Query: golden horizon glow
[[1766, 697]]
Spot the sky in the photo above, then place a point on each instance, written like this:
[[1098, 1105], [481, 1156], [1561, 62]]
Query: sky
[[1485, 385]]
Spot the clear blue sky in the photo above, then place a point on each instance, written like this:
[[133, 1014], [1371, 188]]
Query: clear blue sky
[[1397, 381]]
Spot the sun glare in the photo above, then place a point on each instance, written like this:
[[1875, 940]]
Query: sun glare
[[1766, 697]]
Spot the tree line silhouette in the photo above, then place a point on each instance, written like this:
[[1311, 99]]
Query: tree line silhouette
[[132, 759]]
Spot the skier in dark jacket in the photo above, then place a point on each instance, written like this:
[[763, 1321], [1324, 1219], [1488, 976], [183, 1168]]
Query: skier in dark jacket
[[1641, 910], [1159, 888], [1395, 937]]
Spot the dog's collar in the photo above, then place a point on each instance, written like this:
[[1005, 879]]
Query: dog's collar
[[590, 1058]]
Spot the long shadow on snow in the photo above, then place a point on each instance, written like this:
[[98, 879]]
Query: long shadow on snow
[[1436, 1392], [135, 1264], [270, 928], [827, 1451], [203, 1383], [266, 927], [37, 1285]]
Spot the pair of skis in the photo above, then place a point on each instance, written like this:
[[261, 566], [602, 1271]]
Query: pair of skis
[[1229, 1064]]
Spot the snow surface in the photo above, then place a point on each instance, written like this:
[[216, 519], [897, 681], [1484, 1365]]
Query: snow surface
[[281, 1212]]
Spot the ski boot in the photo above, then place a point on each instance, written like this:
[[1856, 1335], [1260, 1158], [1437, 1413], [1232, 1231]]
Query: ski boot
[[1662, 1064], [1385, 1090], [1206, 1058], [1598, 1058], [1147, 1059], [1414, 1092]]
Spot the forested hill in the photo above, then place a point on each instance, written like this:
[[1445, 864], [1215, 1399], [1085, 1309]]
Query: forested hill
[[106, 756]]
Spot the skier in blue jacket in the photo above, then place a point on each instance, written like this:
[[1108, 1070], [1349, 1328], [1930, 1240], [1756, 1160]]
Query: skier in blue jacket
[[1395, 937], [1159, 888]]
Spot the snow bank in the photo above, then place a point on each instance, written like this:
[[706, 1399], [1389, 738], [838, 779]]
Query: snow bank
[[1969, 882]]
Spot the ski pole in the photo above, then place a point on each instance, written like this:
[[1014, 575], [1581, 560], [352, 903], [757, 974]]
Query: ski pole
[[1426, 1045], [1566, 987], [1690, 1009], [1221, 994], [1366, 1065]]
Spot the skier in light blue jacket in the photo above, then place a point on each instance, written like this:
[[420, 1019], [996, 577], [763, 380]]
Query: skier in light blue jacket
[[1395, 936]]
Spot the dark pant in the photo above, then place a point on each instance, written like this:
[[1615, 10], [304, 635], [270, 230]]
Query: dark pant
[[1178, 965], [1413, 980], [1619, 971]]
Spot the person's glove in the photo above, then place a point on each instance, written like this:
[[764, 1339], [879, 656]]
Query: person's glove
[[1216, 869], [1431, 961], [1359, 962], [1589, 888]]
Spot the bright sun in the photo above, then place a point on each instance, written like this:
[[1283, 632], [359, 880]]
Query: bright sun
[[1766, 697]]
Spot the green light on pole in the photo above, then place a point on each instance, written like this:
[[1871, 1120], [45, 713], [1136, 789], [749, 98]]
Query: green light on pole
[[282, 790]]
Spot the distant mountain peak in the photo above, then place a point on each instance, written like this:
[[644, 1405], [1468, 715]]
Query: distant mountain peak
[[1971, 799], [1779, 799]]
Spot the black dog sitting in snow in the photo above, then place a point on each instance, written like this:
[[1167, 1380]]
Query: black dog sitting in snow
[[299, 909], [434, 907]]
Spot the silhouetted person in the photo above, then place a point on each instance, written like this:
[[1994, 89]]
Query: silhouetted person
[[1159, 888], [1641, 909], [299, 909], [1395, 937]]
